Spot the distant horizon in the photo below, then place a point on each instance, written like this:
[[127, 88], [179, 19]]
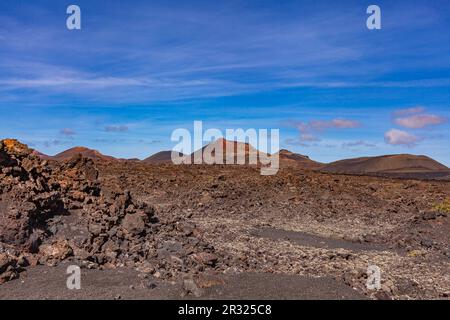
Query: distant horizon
[[141, 159], [137, 71]]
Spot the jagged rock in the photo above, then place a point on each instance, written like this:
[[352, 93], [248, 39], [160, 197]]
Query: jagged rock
[[185, 227], [57, 250], [5, 262], [8, 267], [96, 228], [206, 258], [28, 199], [44, 203], [134, 224]]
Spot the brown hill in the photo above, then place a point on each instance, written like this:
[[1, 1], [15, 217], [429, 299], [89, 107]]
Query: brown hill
[[42, 155], [295, 160], [388, 164], [160, 157], [238, 148], [286, 157], [85, 152]]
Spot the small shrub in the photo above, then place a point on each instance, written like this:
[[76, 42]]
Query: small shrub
[[443, 206]]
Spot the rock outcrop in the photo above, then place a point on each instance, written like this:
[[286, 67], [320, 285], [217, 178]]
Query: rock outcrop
[[50, 212]]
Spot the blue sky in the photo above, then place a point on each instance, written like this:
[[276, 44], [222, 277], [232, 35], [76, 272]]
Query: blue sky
[[137, 70]]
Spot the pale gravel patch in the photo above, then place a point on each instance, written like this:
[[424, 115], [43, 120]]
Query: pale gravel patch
[[297, 259]]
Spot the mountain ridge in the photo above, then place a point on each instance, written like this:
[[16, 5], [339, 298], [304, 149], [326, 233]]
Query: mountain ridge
[[384, 164]]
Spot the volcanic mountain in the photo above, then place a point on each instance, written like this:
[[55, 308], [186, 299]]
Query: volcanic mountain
[[398, 165], [237, 148], [85, 152], [287, 158], [42, 155], [161, 157], [290, 159], [388, 164]]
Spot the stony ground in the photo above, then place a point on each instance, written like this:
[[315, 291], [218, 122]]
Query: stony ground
[[165, 231], [308, 223]]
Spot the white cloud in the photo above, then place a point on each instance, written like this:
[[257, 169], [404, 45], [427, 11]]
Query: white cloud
[[398, 137], [420, 121], [322, 125], [309, 129]]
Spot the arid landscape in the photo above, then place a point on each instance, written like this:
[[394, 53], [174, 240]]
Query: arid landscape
[[153, 230], [238, 150]]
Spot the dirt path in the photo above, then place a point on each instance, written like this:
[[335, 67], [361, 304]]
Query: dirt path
[[311, 240], [44, 282]]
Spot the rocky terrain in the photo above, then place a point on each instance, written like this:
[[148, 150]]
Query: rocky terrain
[[309, 223], [52, 212], [193, 231]]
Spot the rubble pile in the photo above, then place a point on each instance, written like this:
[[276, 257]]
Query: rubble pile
[[50, 212]]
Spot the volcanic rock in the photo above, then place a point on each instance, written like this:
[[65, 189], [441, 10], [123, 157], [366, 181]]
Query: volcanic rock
[[60, 210]]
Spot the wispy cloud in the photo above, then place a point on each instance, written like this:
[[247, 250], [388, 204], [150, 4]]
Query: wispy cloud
[[67, 132], [307, 128], [121, 128], [359, 143], [308, 131], [189, 52], [408, 111], [420, 121], [53, 142], [400, 138]]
